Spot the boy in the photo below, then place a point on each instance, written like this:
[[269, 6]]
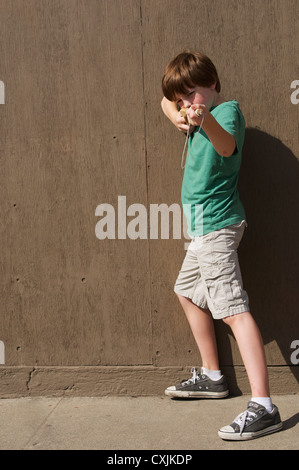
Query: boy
[[209, 285]]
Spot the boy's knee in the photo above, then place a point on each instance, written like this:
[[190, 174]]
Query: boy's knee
[[229, 320], [232, 319]]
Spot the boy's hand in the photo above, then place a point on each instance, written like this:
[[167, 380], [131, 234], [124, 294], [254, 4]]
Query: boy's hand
[[170, 110], [180, 123], [196, 113]]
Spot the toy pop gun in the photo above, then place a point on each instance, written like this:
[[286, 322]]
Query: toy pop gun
[[183, 112]]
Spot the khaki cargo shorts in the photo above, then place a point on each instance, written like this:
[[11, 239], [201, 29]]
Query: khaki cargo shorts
[[210, 275]]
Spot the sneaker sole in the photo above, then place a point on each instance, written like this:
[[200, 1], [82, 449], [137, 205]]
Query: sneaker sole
[[188, 394], [245, 436]]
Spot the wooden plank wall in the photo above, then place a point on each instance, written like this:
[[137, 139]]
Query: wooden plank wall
[[81, 126]]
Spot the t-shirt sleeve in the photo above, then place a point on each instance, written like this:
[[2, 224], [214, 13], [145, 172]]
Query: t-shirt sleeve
[[232, 120]]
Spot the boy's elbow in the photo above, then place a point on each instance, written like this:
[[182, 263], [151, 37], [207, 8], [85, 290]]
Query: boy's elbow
[[227, 153], [230, 149]]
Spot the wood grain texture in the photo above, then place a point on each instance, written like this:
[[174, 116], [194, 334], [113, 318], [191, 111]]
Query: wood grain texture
[[82, 125], [69, 143]]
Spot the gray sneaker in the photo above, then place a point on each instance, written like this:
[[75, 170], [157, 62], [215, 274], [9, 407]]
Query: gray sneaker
[[199, 386], [252, 423]]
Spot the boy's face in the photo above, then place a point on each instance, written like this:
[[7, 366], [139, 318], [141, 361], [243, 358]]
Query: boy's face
[[197, 95]]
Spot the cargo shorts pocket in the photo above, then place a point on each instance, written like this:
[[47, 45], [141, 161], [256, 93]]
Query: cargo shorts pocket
[[233, 290], [223, 284]]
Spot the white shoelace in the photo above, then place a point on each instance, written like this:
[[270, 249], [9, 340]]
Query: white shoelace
[[243, 418], [193, 378]]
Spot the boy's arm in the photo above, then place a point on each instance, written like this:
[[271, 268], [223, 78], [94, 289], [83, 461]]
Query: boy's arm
[[223, 142], [170, 110]]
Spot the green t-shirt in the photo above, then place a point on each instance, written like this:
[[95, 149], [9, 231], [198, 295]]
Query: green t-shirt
[[209, 190]]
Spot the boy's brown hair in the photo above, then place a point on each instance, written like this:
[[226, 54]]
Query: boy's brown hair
[[188, 70]]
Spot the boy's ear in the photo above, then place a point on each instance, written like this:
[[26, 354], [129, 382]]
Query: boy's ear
[[213, 86]]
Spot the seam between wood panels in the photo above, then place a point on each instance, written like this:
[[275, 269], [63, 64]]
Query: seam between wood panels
[[146, 176]]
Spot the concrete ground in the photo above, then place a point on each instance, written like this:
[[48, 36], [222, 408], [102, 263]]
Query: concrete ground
[[135, 423]]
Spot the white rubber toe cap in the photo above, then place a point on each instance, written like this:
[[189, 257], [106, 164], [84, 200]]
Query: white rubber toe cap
[[227, 429]]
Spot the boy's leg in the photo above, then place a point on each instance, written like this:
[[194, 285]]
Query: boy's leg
[[261, 416], [209, 383], [252, 350], [202, 327]]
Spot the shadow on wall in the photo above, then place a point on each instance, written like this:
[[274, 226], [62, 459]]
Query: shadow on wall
[[269, 251]]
